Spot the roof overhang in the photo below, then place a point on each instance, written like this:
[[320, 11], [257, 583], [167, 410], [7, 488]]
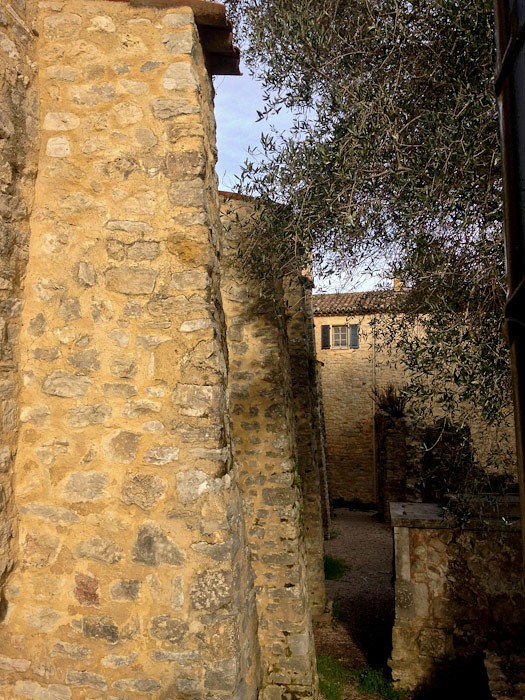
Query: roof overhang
[[215, 30]]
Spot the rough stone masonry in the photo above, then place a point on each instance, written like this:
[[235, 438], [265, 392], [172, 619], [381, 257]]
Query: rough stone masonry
[[130, 548]]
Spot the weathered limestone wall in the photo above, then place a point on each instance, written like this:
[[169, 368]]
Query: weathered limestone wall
[[349, 378], [18, 131], [262, 414], [458, 592], [309, 437], [133, 574]]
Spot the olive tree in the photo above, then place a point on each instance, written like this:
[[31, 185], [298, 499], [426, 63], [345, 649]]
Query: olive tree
[[393, 163]]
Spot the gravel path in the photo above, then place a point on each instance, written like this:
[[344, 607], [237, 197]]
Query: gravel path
[[364, 598]]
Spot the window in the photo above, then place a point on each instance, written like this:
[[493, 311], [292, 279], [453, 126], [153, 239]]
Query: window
[[339, 337]]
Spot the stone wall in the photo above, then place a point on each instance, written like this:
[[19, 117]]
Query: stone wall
[[458, 593], [274, 479], [311, 457], [350, 377], [418, 463], [160, 530], [18, 131], [133, 575]]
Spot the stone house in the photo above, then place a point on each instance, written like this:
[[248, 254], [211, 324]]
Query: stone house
[[161, 518], [355, 363], [352, 367]]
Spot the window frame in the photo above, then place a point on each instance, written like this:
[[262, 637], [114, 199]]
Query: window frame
[[350, 341], [342, 343]]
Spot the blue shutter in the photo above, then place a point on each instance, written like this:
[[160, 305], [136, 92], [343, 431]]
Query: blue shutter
[[325, 337], [354, 335]]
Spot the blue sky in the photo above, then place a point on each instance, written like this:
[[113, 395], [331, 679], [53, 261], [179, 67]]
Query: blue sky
[[237, 99]]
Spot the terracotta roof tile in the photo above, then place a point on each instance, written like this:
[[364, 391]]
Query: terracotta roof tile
[[353, 303]]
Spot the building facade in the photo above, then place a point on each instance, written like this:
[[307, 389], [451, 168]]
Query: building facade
[[353, 367], [358, 360]]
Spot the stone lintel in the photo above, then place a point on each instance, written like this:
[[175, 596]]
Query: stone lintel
[[486, 514]]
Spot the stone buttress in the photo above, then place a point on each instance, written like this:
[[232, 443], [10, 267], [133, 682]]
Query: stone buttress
[[309, 439], [265, 447], [132, 575]]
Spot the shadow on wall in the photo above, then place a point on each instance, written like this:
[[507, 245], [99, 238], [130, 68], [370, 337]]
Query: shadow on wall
[[458, 680]]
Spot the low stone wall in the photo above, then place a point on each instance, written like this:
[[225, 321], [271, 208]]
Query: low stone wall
[[458, 592]]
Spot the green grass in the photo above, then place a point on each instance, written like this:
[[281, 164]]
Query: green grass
[[337, 611], [374, 682], [333, 677], [334, 568]]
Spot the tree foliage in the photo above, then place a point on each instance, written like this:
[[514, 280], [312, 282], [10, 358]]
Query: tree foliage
[[393, 162]]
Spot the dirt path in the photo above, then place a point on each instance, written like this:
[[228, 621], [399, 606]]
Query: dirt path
[[364, 598]]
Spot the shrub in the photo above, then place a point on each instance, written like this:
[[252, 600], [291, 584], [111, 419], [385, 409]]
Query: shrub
[[390, 400], [334, 568]]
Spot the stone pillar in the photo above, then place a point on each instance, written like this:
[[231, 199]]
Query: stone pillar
[[391, 436], [310, 447], [132, 571], [261, 408], [18, 132]]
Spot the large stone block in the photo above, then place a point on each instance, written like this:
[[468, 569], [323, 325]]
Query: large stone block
[[83, 416], [179, 43], [100, 628], [85, 486], [126, 590], [84, 679], [168, 629], [61, 121], [36, 691], [197, 401], [99, 549], [66, 385], [138, 685], [143, 490], [72, 651], [65, 25], [123, 446], [222, 677], [212, 591], [131, 280], [164, 108], [154, 547], [161, 455]]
